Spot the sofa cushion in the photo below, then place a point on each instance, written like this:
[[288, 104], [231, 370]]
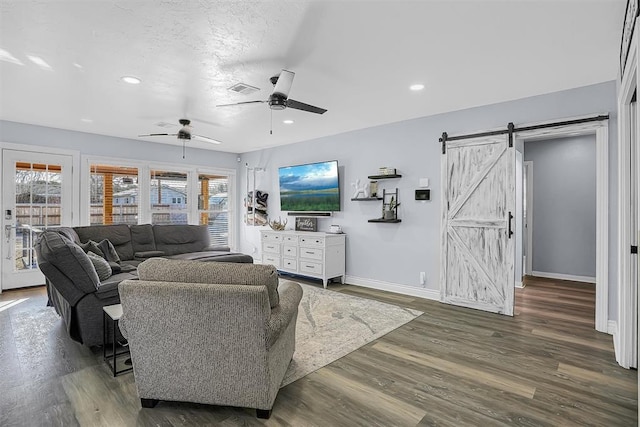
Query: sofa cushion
[[101, 265], [109, 288], [67, 232], [118, 234], [147, 254], [70, 259], [91, 246], [179, 239], [189, 271], [142, 239]]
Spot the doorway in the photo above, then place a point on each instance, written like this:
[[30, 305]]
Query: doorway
[[37, 193], [600, 129]]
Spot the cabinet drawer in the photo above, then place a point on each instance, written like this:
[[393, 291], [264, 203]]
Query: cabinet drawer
[[310, 267], [290, 264], [272, 248], [271, 237], [312, 241], [312, 253], [290, 251], [270, 259], [290, 239]]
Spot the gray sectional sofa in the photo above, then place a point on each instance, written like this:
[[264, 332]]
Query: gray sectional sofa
[[78, 285]]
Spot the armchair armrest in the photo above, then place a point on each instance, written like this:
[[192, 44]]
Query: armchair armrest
[[285, 311]]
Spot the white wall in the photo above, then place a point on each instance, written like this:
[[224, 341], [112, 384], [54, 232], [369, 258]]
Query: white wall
[[393, 255], [388, 255]]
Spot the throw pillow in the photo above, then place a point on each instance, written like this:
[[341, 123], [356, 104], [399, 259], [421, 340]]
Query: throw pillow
[[109, 251], [91, 246], [101, 265]]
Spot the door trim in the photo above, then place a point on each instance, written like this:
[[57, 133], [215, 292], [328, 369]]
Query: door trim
[[528, 167], [601, 130], [625, 342]]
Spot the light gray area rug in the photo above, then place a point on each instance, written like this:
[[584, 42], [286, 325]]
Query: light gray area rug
[[331, 325]]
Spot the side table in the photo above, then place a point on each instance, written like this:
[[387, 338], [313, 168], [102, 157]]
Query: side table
[[112, 314]]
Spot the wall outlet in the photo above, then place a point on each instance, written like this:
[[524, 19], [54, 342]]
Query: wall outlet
[[423, 278]]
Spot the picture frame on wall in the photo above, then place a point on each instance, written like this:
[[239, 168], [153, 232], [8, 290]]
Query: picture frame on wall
[[631, 14], [304, 223]]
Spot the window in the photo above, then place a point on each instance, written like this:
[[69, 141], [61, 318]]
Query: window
[[136, 193], [213, 207], [113, 191], [168, 190]]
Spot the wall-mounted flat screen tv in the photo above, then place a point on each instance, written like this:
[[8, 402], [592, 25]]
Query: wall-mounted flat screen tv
[[313, 187]]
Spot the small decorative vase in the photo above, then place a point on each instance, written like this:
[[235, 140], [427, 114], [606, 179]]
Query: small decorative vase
[[389, 215]]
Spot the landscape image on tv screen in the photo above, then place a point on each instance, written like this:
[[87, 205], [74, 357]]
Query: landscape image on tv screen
[[311, 187]]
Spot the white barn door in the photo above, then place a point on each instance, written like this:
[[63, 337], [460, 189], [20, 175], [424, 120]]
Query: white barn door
[[478, 209]]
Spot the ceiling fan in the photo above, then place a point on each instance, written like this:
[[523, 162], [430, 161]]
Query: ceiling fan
[[279, 98], [184, 134]]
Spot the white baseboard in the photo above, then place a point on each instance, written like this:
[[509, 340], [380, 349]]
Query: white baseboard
[[560, 276], [520, 285], [432, 294], [612, 328]]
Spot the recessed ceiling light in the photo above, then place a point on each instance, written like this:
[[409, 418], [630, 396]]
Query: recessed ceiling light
[[416, 87], [131, 80], [287, 122], [78, 66], [87, 120]]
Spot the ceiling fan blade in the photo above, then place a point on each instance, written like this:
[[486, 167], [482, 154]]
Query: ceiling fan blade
[[158, 134], [291, 103], [283, 85], [241, 103], [206, 139]]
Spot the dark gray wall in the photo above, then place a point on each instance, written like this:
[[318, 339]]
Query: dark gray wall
[[564, 205]]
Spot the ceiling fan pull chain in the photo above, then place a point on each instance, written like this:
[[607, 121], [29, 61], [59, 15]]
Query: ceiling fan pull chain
[[271, 126], [183, 148]]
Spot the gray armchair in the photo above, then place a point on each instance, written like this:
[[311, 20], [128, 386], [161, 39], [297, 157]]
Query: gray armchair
[[213, 333]]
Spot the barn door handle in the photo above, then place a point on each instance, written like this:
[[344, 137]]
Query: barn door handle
[[510, 230]]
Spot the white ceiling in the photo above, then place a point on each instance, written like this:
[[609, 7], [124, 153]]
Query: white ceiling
[[354, 58]]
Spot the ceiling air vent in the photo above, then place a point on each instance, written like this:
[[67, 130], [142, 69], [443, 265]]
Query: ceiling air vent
[[165, 125], [243, 88]]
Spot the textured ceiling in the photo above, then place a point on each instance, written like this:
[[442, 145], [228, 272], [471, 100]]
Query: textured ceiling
[[354, 58]]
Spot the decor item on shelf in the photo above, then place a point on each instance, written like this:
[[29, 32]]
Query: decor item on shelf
[[304, 223], [387, 171], [335, 229], [360, 189], [373, 188], [391, 209], [278, 225]]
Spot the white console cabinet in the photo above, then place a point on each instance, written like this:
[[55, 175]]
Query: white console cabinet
[[313, 254]]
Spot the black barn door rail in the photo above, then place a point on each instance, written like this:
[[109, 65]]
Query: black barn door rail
[[511, 129]]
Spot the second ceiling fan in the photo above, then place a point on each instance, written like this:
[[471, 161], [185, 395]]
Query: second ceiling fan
[[279, 98]]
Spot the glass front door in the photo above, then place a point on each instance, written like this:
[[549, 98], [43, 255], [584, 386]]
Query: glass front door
[[37, 192]]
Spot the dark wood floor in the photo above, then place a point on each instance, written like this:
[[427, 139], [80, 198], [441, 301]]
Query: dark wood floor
[[452, 366]]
